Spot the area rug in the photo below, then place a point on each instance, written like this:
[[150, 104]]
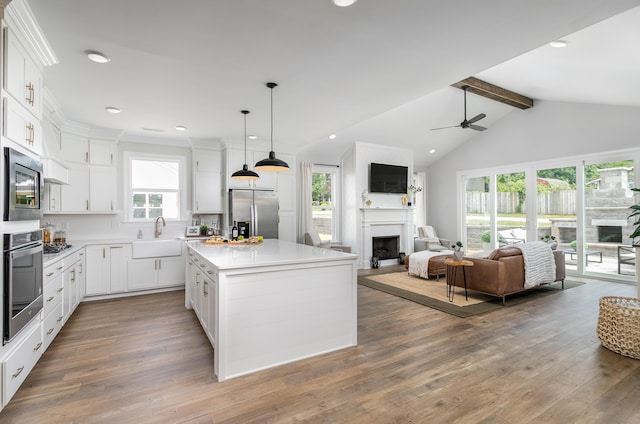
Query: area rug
[[433, 293]]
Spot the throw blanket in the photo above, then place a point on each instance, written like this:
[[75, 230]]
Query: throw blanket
[[539, 264], [419, 262]]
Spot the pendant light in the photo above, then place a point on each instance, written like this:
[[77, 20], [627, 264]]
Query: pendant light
[[271, 163], [245, 174]]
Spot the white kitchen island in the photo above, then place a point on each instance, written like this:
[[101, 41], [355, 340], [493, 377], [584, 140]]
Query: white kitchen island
[[271, 303]]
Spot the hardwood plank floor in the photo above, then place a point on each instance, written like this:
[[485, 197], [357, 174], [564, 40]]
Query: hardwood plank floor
[[145, 359]]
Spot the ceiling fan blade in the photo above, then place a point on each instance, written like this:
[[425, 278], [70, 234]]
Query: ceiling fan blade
[[444, 128], [477, 118], [476, 127]]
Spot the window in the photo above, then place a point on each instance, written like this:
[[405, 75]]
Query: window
[[154, 187], [324, 196]]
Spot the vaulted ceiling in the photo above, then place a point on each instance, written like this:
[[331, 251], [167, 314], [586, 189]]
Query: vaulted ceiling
[[379, 71]]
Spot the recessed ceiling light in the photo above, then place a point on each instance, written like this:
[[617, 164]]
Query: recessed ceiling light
[[432, 151], [181, 128], [252, 137], [343, 3], [332, 136], [558, 43], [97, 56], [112, 109]]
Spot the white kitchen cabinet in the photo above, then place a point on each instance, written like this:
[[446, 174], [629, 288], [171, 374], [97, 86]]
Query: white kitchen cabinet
[[102, 189], [52, 197], [152, 273], [90, 189], [73, 283], [102, 152], [75, 148], [207, 181], [208, 192], [23, 77], [235, 161], [17, 365], [74, 197], [21, 126], [106, 268]]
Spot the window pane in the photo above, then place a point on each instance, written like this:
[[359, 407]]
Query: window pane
[[511, 214], [155, 200], [139, 213], [155, 174], [139, 200], [478, 224], [322, 206], [155, 212]]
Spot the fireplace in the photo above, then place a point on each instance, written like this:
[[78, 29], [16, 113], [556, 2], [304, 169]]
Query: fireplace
[[609, 234], [385, 247]]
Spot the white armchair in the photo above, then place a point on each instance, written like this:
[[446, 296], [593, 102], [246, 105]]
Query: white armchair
[[428, 240], [312, 238]]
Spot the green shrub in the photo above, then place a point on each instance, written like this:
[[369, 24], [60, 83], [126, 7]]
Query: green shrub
[[486, 236], [573, 244]]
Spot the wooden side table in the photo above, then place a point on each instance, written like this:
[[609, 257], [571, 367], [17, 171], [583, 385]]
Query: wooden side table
[[452, 268]]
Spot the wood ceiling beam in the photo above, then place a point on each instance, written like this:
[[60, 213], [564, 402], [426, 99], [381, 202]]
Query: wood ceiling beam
[[493, 92]]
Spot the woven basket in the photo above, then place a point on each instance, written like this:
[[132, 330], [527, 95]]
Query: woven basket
[[619, 325]]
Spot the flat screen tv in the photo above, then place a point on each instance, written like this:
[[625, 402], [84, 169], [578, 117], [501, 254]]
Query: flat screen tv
[[387, 178]]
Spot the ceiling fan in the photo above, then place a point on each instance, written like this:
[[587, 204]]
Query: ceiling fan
[[467, 123]]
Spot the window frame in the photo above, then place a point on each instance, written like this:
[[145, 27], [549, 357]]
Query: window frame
[[128, 190], [336, 196]]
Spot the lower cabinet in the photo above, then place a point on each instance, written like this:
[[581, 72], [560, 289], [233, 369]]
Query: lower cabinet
[[17, 365], [151, 273], [201, 291], [106, 270]]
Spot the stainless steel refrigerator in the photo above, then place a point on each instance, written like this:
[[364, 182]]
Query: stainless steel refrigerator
[[257, 207]]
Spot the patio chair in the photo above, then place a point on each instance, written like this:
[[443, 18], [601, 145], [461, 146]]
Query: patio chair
[[512, 236]]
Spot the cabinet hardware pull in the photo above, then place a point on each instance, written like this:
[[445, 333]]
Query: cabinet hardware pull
[[104, 252], [87, 205], [73, 275], [59, 319], [112, 205], [155, 264], [50, 331], [160, 264], [111, 160], [37, 346], [50, 299], [50, 274], [53, 203], [59, 268], [197, 205], [18, 371], [209, 272], [60, 289], [86, 157]]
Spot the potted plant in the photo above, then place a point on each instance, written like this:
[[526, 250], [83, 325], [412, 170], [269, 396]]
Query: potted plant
[[486, 240], [411, 192], [458, 254], [550, 240], [203, 230]]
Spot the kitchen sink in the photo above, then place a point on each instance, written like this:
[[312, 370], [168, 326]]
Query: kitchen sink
[[156, 248]]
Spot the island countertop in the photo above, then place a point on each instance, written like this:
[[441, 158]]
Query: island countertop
[[267, 252]]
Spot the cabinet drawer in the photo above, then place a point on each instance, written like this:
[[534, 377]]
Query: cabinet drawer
[[52, 325], [52, 294], [17, 366], [53, 271]]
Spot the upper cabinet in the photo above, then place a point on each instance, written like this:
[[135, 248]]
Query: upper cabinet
[[80, 149], [207, 181], [21, 126], [22, 76]]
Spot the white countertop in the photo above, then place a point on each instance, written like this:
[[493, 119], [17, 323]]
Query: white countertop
[[269, 252]]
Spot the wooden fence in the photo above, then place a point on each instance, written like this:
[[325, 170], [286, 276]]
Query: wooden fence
[[554, 203]]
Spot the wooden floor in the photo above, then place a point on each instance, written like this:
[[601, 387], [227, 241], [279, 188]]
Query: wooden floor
[[145, 360]]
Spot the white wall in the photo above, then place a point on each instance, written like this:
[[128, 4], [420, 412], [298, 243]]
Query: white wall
[[355, 164], [549, 130]]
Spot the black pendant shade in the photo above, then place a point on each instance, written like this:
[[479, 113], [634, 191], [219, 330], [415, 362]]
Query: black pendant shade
[[245, 174], [271, 164]]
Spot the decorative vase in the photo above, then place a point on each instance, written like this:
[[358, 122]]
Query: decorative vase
[[404, 200], [457, 255]]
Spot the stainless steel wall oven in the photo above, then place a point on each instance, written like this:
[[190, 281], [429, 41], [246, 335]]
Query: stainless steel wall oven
[[22, 270], [23, 186]]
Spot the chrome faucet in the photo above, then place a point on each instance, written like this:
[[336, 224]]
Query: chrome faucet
[[157, 228]]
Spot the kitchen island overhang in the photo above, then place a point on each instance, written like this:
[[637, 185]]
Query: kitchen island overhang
[[271, 303]]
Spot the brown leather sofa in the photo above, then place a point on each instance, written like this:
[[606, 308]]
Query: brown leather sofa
[[501, 273]]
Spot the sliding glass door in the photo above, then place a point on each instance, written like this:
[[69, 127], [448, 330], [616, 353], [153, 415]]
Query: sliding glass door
[[477, 215]]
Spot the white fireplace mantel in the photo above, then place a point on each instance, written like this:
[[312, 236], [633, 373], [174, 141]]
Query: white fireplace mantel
[[379, 222]]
